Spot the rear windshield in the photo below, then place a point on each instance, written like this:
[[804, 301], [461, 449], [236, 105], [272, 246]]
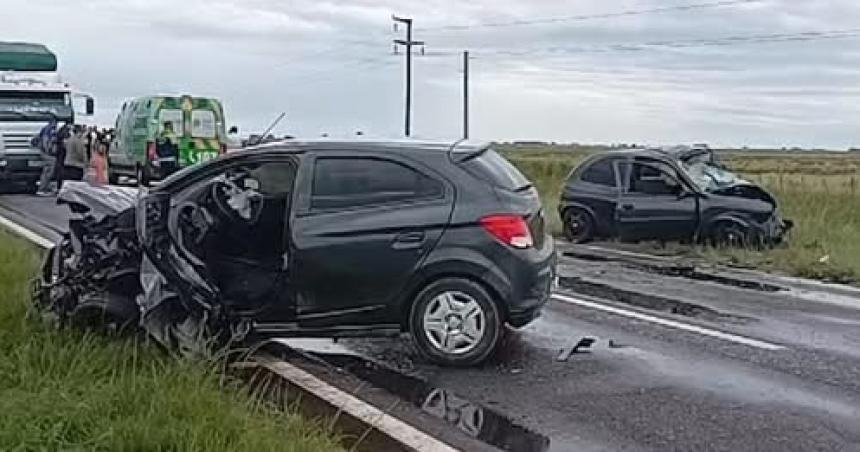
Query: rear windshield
[[495, 169]]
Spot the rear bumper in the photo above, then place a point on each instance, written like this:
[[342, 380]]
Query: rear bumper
[[20, 167], [531, 274]]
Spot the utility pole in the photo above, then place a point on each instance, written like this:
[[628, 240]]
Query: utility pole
[[466, 94], [408, 43]]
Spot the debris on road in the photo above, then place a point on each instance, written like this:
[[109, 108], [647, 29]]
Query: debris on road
[[581, 346]]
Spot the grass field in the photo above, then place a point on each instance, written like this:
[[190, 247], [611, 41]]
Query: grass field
[[819, 191], [67, 391]]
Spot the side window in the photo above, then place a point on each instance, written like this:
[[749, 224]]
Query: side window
[[355, 182], [601, 172], [654, 178], [174, 117], [202, 124]]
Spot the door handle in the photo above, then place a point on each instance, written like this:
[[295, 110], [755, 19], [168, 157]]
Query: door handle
[[408, 240], [627, 206], [410, 237]]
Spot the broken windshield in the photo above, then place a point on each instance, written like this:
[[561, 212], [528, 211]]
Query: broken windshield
[[709, 176]]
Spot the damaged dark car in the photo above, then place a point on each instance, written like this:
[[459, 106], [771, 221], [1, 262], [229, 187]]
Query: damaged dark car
[[675, 194], [310, 239]]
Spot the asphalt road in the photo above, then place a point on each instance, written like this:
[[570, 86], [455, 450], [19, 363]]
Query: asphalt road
[[680, 361]]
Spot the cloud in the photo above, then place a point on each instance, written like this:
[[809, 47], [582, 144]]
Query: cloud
[[329, 65]]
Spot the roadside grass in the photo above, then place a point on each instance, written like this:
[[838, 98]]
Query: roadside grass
[[69, 391], [819, 192]]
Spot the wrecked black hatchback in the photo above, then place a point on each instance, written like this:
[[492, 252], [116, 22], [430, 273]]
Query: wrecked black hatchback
[[674, 194], [325, 239]]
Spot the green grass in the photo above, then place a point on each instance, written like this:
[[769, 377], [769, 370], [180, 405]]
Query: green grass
[[68, 391], [820, 192]]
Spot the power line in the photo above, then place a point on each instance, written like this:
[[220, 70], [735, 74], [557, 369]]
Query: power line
[[583, 17], [678, 44]]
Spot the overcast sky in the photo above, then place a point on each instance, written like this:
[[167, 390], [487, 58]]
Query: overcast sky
[[329, 66]]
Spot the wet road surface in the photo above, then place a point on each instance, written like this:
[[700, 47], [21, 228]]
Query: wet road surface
[[678, 362]]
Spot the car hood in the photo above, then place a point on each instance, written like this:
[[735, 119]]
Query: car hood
[[97, 200], [748, 190], [715, 179]]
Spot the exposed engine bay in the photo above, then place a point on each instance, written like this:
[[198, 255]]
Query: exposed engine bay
[[117, 271]]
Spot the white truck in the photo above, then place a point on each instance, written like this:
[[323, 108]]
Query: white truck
[[31, 94]]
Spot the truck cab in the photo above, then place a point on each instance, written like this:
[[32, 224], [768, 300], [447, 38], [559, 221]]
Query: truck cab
[[32, 93]]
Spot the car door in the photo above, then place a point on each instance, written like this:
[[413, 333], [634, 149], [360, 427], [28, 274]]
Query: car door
[[364, 222], [656, 203], [242, 253]]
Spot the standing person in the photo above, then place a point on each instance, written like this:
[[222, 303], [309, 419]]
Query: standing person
[[62, 136], [76, 161], [46, 142], [167, 150]]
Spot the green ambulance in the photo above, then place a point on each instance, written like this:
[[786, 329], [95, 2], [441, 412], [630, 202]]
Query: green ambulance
[[197, 125]]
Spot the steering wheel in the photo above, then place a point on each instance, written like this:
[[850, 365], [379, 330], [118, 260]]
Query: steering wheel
[[235, 203]]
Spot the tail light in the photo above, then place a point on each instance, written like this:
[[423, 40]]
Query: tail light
[[511, 230], [150, 151]]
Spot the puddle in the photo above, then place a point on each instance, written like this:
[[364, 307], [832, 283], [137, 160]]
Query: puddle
[[469, 418], [681, 271], [652, 302]]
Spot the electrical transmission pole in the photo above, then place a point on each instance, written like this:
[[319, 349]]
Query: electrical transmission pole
[[465, 94], [408, 43]]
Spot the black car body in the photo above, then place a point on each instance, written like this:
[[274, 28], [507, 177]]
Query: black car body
[[337, 239], [681, 194]]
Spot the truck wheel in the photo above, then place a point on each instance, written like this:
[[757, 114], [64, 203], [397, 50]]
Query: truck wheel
[[454, 322]]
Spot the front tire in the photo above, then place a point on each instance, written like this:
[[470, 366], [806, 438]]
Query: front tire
[[730, 235], [455, 322]]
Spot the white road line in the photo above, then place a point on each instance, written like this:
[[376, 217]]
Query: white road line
[[391, 426], [26, 233], [670, 323]]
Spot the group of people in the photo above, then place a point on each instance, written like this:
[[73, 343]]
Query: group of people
[[69, 153]]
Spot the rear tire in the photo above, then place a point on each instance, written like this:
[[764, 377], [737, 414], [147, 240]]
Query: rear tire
[[579, 225], [455, 322]]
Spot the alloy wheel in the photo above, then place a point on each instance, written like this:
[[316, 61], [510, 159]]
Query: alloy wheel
[[454, 323]]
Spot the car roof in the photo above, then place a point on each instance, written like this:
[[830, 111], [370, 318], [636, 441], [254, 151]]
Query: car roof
[[359, 145], [655, 153]]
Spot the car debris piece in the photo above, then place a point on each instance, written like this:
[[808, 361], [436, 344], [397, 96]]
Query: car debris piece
[[581, 346]]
